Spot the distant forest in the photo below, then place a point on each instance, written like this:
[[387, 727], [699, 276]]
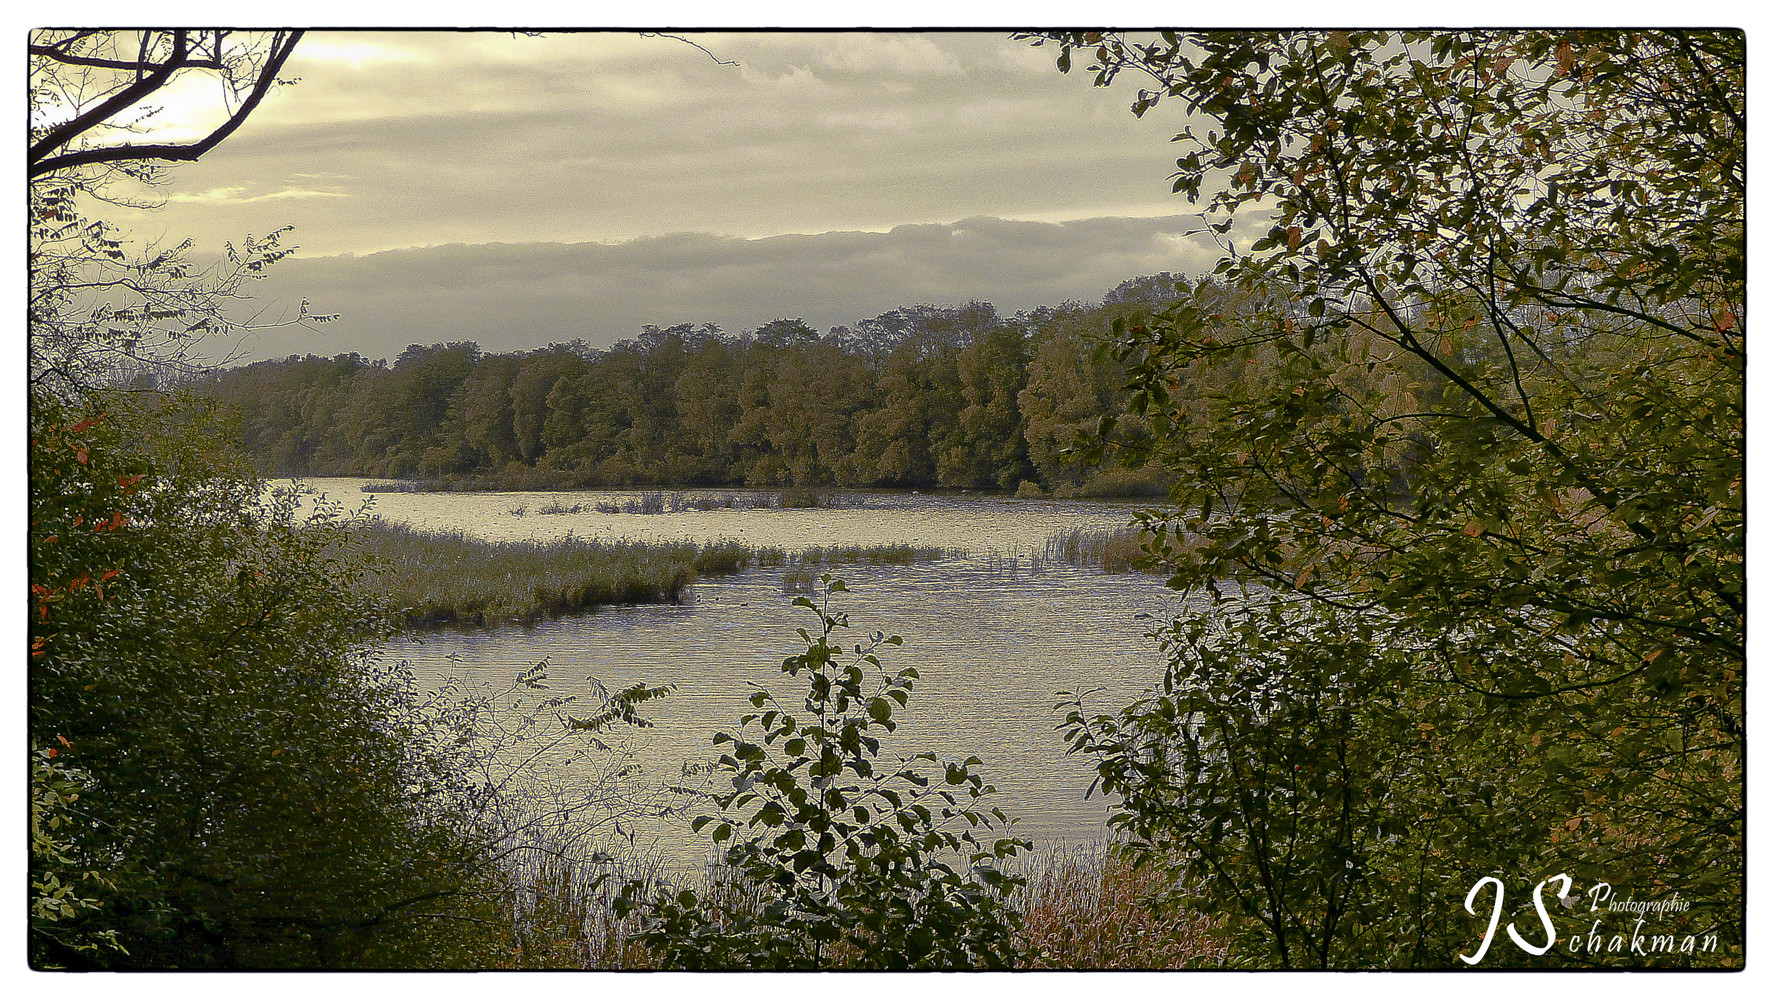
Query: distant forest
[[926, 396]]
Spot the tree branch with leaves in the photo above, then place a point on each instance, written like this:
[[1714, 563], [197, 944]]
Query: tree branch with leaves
[[1478, 388]]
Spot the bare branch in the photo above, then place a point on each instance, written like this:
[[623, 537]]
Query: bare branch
[[680, 38], [51, 153]]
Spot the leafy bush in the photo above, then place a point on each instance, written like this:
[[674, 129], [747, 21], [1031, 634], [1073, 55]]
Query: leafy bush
[[253, 782], [834, 862]]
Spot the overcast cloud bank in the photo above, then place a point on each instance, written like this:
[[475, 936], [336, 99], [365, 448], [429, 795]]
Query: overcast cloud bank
[[510, 297]]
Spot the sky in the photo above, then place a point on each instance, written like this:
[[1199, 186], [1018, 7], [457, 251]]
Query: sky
[[518, 191]]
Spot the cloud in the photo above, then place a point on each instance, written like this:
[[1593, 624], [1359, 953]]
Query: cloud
[[238, 195], [900, 55], [518, 296], [608, 136], [358, 53]]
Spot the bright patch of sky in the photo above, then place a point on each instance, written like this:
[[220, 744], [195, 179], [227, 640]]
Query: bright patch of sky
[[565, 151]]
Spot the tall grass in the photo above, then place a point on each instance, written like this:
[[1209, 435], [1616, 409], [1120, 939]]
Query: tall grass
[[1084, 907], [1113, 550], [562, 914], [868, 555], [452, 578]]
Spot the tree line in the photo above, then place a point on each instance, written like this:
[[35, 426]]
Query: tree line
[[921, 397]]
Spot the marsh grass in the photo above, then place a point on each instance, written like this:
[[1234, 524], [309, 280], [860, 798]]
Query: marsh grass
[[656, 502], [451, 578], [1113, 550], [1015, 564], [1084, 907], [722, 558], [854, 555], [562, 914]]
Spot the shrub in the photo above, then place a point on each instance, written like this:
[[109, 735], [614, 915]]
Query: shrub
[[833, 861], [251, 779]]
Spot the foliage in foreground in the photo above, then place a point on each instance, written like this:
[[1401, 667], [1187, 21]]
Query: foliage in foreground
[[232, 780], [1083, 906], [1475, 534], [833, 862]]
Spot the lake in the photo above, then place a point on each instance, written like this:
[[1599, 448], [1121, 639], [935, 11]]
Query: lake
[[994, 630]]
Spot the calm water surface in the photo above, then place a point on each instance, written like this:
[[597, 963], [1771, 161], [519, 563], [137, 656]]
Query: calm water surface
[[994, 633]]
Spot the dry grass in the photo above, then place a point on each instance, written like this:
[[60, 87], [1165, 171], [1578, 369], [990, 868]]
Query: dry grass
[[451, 578], [1083, 908], [1088, 908], [1113, 550]]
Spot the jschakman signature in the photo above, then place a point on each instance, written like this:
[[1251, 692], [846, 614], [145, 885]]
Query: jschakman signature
[[1594, 941]]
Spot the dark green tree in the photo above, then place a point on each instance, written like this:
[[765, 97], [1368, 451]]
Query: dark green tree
[[986, 449], [1498, 436], [256, 788]]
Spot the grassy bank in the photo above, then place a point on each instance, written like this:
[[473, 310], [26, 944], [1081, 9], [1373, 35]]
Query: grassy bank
[[1083, 908]]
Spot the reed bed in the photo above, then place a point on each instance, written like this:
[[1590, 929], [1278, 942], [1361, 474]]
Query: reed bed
[[452, 578], [867, 555], [442, 579], [1087, 907], [1113, 550], [1084, 907], [658, 502], [1016, 563], [562, 914]]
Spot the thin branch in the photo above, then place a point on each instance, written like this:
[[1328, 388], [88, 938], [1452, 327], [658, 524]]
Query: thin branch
[[43, 163], [680, 38], [58, 138]]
